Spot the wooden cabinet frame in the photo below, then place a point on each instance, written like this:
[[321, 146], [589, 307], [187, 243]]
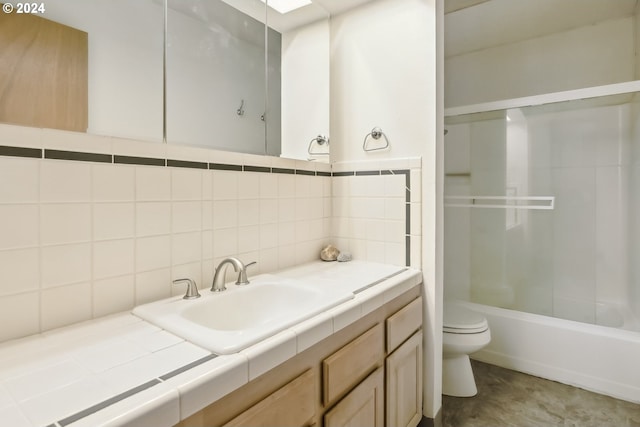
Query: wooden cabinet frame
[[311, 360]]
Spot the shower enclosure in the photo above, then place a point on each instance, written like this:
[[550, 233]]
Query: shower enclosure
[[542, 205]]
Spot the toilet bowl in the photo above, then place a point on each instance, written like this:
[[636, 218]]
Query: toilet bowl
[[464, 332]]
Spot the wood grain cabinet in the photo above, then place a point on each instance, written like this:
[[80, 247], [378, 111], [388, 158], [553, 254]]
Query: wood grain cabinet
[[404, 384], [291, 405], [404, 366], [368, 374], [363, 406]]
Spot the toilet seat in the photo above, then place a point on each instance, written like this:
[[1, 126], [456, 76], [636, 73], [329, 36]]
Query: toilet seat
[[459, 320]]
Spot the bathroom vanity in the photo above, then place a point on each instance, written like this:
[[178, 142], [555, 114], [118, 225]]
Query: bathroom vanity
[[356, 363], [339, 381]]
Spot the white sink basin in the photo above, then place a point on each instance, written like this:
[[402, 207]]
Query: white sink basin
[[230, 321]]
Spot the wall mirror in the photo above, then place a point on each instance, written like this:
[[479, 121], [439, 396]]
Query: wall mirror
[[122, 61], [236, 85], [230, 84]]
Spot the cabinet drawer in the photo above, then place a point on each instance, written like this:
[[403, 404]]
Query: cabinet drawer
[[290, 406], [403, 324], [346, 367]]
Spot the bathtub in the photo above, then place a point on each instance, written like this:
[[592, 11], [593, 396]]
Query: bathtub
[[596, 358]]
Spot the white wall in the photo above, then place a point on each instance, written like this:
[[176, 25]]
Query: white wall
[[594, 55], [305, 89], [383, 73]]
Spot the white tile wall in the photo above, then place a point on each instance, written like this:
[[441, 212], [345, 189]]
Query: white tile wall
[[369, 212], [80, 240]]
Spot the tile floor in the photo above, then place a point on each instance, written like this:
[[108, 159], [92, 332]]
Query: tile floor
[[511, 399]]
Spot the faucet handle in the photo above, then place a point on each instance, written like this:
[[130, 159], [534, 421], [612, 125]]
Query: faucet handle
[[242, 276], [192, 289]]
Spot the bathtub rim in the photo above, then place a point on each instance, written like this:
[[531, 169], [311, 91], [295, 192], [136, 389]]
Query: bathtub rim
[[567, 372]]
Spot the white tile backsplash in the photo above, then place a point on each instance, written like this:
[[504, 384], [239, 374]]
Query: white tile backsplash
[[186, 184], [77, 141], [152, 285], [113, 295], [113, 183], [186, 216], [113, 258], [268, 211], [248, 212], [19, 180], [286, 186], [65, 223], [66, 264], [65, 305], [113, 220], [153, 183], [153, 218], [84, 239], [24, 274], [225, 214], [186, 247], [153, 253], [65, 181], [225, 185], [21, 136], [269, 186], [20, 314], [19, 226], [249, 185]]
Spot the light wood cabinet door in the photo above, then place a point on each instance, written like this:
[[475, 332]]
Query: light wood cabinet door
[[364, 406], [404, 383], [293, 405]]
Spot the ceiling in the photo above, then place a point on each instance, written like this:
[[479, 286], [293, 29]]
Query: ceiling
[[491, 23], [470, 25], [319, 9]]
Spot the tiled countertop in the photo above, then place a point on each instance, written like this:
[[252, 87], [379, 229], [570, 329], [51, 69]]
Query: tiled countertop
[[120, 369]]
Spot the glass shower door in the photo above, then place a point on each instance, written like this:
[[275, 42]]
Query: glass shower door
[[536, 207]]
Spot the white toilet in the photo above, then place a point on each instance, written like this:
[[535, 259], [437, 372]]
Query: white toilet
[[464, 332]]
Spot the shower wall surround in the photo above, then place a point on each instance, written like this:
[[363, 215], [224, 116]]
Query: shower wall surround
[[91, 226]]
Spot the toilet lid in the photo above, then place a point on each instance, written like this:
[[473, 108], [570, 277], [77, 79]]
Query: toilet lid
[[460, 320]]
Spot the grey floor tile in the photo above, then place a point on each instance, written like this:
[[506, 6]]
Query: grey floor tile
[[511, 399]]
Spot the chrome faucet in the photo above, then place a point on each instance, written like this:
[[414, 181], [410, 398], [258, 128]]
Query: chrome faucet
[[219, 276]]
